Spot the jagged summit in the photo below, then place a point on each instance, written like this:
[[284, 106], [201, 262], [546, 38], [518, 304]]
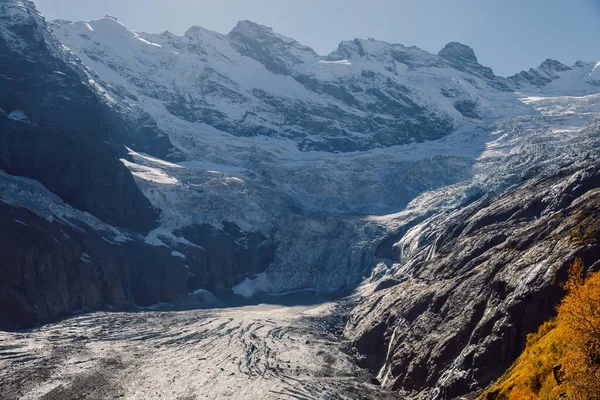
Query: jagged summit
[[458, 53], [194, 32], [278, 53], [463, 58], [386, 53], [554, 65], [254, 81], [250, 28], [107, 25], [547, 72]]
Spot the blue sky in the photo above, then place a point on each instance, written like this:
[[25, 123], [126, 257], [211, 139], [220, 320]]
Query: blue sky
[[507, 35]]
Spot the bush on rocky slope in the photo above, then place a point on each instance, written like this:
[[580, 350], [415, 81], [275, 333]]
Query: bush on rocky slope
[[563, 357]]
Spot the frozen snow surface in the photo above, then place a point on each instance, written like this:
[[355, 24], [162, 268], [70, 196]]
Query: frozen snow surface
[[18, 115], [327, 210]]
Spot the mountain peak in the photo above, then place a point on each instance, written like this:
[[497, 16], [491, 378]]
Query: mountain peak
[[246, 27], [192, 31], [278, 53], [463, 58], [553, 65], [457, 52]]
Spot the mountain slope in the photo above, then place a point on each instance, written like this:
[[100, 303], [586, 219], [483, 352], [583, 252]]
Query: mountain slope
[[57, 257], [473, 283], [245, 109], [61, 136]]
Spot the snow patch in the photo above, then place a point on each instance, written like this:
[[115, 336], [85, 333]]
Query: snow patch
[[251, 287], [595, 74], [85, 257], [340, 62], [154, 238], [149, 174], [101, 91], [141, 39], [208, 297], [208, 166], [20, 222], [151, 159], [18, 115], [178, 254]]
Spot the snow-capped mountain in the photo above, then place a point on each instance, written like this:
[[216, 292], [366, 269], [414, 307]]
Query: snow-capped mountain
[[254, 82], [305, 148], [246, 162]]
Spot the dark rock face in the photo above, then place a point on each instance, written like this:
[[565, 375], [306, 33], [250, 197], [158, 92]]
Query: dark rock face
[[456, 314], [468, 108], [407, 121], [55, 129], [224, 258], [463, 58], [84, 172], [64, 142], [40, 78], [458, 54], [48, 269]]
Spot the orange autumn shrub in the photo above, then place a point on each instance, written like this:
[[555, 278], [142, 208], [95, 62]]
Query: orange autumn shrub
[[579, 316], [571, 341]]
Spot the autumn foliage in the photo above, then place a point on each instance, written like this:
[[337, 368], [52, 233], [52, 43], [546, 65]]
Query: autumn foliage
[[579, 318], [561, 360]]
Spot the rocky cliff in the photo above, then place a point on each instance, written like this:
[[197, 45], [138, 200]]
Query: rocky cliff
[[474, 282], [61, 137]]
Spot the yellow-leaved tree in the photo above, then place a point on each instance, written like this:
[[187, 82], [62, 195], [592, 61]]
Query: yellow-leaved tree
[[579, 318]]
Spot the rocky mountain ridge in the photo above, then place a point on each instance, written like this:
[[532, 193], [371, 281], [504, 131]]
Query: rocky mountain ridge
[[253, 81], [473, 283]]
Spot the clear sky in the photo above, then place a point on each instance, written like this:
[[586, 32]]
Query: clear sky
[[507, 35]]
